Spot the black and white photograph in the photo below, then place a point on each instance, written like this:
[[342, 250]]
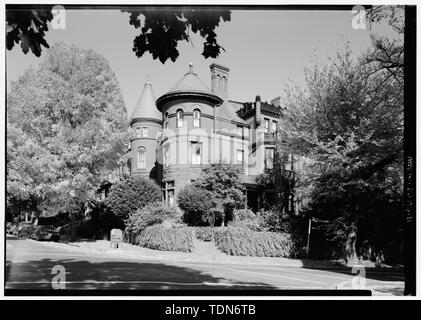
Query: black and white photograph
[[209, 150]]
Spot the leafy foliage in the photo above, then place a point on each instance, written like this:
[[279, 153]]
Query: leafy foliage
[[158, 237], [196, 204], [163, 29], [100, 223], [349, 122], [27, 27], [132, 194], [223, 181], [244, 242], [66, 130], [149, 215]]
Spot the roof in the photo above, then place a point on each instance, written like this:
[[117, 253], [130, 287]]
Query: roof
[[189, 85], [227, 111], [146, 105]]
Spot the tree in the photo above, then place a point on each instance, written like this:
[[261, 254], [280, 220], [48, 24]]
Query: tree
[[223, 181], [196, 203], [349, 122], [66, 130], [161, 29], [132, 194]]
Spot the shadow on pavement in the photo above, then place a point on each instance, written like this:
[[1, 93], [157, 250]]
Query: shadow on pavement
[[109, 275], [380, 274]]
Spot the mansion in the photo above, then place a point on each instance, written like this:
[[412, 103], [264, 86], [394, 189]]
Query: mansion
[[191, 126]]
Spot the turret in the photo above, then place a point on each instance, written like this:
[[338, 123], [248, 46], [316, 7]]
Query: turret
[[146, 124]]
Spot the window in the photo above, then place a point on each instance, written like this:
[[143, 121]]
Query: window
[[144, 132], [290, 163], [171, 198], [196, 118], [141, 158], [246, 132], [137, 132], [169, 190], [240, 156], [266, 125], [269, 155], [274, 126], [196, 153], [166, 155], [240, 130], [180, 118], [129, 167], [166, 121]]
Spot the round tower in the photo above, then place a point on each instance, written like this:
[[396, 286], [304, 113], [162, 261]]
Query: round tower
[[146, 124]]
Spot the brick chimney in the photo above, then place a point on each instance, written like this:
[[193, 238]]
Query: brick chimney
[[219, 79], [257, 111]]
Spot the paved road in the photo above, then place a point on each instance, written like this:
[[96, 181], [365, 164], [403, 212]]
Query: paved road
[[29, 265]]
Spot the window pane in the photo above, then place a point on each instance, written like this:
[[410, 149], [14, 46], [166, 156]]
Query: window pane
[[240, 156], [171, 198], [274, 127], [196, 118], [141, 158], [266, 125], [180, 117], [196, 153]]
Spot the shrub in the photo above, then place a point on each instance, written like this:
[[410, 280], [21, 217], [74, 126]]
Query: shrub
[[223, 181], [243, 214], [244, 242], [158, 237], [149, 215], [204, 233], [135, 192], [252, 224], [196, 204]]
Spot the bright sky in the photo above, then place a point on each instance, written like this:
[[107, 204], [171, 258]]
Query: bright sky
[[264, 49]]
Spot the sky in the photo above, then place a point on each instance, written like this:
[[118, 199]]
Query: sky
[[265, 49]]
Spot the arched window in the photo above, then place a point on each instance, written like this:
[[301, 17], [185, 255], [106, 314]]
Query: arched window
[[196, 118], [141, 158], [180, 118]]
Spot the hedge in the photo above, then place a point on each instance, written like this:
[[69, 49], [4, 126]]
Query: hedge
[[204, 233], [158, 237], [244, 242]]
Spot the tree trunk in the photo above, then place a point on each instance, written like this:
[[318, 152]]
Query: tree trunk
[[350, 252]]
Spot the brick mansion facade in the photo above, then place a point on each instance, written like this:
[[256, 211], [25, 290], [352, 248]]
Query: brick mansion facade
[[191, 126]]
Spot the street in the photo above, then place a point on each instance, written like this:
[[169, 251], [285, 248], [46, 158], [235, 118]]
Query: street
[[29, 265]]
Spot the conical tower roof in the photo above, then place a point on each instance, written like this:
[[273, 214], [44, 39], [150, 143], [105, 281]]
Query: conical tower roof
[[146, 105], [189, 85]]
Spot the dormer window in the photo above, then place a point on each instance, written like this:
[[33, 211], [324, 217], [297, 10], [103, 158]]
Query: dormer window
[[196, 118], [180, 118]]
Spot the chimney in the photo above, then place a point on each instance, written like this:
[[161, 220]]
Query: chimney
[[257, 111], [219, 78]]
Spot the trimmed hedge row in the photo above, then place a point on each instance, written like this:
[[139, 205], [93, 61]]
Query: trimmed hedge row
[[158, 237], [244, 242], [203, 233]]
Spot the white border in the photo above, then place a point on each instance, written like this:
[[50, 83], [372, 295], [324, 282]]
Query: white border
[[214, 2]]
